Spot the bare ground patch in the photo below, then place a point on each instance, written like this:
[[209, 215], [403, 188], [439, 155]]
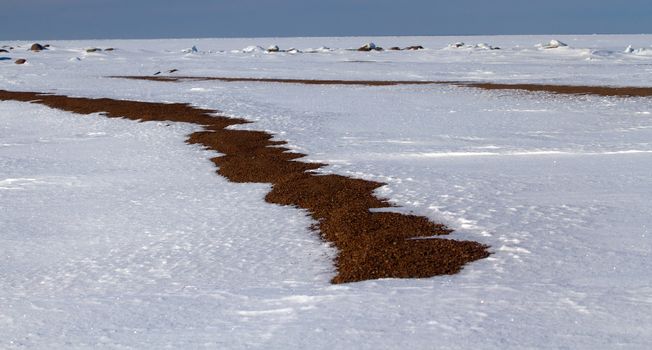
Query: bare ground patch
[[371, 245], [618, 91]]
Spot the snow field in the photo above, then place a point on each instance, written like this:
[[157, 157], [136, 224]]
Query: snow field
[[119, 235]]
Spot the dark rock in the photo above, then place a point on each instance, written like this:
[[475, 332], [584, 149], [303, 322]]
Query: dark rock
[[20, 61], [395, 48], [3, 58], [109, 49], [370, 47], [415, 47], [273, 48], [37, 47], [173, 70], [93, 49], [3, 50], [157, 73]]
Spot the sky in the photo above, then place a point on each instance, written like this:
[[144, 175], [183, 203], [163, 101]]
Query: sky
[[117, 19]]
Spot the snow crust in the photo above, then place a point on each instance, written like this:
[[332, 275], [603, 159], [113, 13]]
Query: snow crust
[[116, 234]]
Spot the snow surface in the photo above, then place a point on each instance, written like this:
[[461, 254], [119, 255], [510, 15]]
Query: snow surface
[[116, 234]]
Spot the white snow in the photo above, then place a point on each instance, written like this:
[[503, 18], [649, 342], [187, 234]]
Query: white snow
[[639, 51], [553, 44], [250, 49], [456, 45], [116, 234], [478, 46]]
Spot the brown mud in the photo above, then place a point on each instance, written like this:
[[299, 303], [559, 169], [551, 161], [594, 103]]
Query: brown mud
[[616, 91], [370, 244], [286, 81]]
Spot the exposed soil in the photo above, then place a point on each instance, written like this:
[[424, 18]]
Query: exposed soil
[[371, 245], [570, 89], [556, 89], [287, 81]]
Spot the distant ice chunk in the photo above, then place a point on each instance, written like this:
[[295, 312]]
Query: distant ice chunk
[[639, 52], [553, 44], [319, 49], [485, 46], [253, 48], [479, 46]]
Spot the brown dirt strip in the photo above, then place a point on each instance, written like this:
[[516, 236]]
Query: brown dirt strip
[[286, 81], [371, 244], [556, 89], [569, 89]]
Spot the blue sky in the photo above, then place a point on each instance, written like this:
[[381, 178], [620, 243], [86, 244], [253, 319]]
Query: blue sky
[[86, 19]]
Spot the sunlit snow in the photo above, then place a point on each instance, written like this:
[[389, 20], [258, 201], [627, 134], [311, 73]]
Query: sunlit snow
[[117, 234]]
